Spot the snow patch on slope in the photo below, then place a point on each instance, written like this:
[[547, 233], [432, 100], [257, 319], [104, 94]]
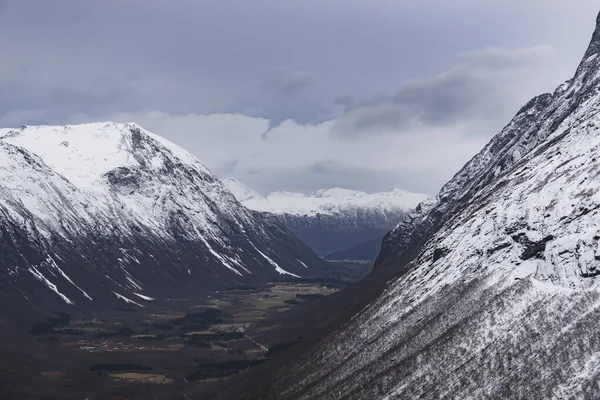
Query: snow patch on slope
[[280, 270], [141, 296], [127, 300], [39, 276]]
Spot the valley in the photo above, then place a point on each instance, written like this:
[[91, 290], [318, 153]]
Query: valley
[[180, 342], [140, 270], [130, 270]]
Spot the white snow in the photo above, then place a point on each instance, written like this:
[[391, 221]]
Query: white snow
[[39, 276], [54, 265], [327, 201], [141, 296], [280, 270], [125, 299], [81, 153]]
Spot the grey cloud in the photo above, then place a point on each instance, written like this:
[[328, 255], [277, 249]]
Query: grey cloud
[[289, 82], [190, 60], [101, 96], [323, 167], [499, 58], [344, 101], [227, 167], [472, 88], [369, 181], [103, 92], [68, 61]]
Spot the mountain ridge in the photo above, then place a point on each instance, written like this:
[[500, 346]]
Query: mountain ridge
[[323, 201], [104, 213], [336, 221]]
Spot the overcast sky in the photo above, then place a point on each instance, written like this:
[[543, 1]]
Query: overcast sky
[[297, 94]]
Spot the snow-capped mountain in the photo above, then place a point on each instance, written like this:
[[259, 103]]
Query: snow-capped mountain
[[105, 211], [497, 286], [333, 220], [324, 202]]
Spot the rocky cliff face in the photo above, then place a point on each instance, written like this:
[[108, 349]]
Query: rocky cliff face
[[334, 220], [497, 290], [108, 213]]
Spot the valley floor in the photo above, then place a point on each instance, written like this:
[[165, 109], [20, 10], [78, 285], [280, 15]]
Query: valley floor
[[137, 351]]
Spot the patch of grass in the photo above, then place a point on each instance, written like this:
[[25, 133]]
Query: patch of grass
[[212, 370], [207, 317], [70, 331], [54, 375], [220, 302], [197, 333], [142, 378], [214, 336], [119, 367], [122, 331], [251, 314], [310, 297]]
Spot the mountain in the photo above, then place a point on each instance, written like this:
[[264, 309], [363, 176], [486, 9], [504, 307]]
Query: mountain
[[110, 214], [496, 288], [334, 220]]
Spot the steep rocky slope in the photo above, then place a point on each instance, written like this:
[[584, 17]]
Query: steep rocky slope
[[108, 213], [334, 220], [496, 290]]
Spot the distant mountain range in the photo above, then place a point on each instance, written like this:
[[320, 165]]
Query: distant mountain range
[[338, 224], [110, 214]]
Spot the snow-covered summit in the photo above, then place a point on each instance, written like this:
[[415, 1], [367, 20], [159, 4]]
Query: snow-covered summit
[[241, 192], [84, 153], [326, 201], [337, 192]]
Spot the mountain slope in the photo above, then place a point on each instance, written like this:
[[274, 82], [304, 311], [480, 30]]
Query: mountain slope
[[496, 293], [110, 213], [361, 252], [333, 220]]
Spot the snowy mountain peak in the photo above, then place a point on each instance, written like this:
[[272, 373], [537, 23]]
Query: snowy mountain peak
[[336, 219], [324, 201], [337, 193], [105, 198], [241, 192], [284, 194], [86, 153]]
